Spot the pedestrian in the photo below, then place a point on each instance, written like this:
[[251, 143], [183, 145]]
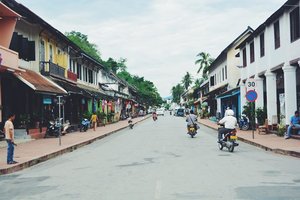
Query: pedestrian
[[94, 120], [9, 136], [294, 123]]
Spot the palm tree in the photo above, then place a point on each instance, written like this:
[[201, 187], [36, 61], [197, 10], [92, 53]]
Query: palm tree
[[187, 80], [198, 82], [204, 61], [176, 92]]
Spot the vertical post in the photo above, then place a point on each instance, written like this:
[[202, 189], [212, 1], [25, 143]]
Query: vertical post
[[253, 119], [59, 116]]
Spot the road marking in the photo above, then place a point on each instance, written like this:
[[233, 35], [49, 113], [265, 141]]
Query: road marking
[[158, 189]]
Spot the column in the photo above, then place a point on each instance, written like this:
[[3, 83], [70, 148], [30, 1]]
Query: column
[[243, 96], [259, 103], [219, 107], [271, 95], [290, 91]]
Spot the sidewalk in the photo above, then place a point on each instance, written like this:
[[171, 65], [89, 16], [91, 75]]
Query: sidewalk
[[33, 152], [268, 142]]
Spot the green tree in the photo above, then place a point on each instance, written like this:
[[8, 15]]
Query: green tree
[[176, 92], [187, 80], [81, 41], [114, 65], [204, 61], [198, 82]]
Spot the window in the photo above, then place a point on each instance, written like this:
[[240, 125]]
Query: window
[[74, 67], [276, 35], [212, 80], [85, 74], [50, 53], [252, 57], [91, 78], [244, 57], [294, 22], [223, 74], [79, 72], [226, 72], [262, 44]]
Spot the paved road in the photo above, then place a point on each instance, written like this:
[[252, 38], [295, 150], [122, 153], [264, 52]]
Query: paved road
[[157, 160]]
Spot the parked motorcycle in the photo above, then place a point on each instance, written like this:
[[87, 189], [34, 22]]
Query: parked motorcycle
[[66, 127], [2, 134], [244, 123], [53, 129], [85, 124], [192, 130], [229, 141]]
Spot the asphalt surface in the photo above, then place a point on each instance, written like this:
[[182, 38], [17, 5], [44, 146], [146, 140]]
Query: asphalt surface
[[158, 160]]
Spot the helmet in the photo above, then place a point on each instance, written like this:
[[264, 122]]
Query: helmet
[[229, 112]]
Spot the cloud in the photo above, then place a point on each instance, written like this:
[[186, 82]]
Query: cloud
[[159, 38]]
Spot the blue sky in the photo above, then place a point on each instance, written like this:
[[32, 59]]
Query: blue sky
[[159, 38]]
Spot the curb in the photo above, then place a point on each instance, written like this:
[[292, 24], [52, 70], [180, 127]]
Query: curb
[[44, 158], [277, 151]]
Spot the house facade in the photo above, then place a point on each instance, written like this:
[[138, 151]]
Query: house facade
[[270, 55], [224, 76]]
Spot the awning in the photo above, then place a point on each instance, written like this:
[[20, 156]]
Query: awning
[[39, 83], [93, 92], [229, 93], [71, 88]]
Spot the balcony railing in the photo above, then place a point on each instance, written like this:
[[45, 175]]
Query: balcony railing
[[49, 68], [9, 58], [72, 76]]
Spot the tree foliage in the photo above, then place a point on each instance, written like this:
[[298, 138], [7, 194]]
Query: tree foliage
[[187, 80], [204, 61], [147, 92], [81, 40], [176, 92]]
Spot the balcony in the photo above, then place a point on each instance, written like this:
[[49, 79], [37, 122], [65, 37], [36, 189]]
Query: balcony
[[72, 76], [51, 69], [9, 58]]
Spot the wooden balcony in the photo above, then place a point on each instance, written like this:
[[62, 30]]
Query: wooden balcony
[[9, 58], [51, 69], [72, 76]]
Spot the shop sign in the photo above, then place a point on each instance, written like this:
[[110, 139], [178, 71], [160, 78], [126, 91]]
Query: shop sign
[[47, 101]]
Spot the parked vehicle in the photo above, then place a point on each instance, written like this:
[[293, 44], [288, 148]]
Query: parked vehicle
[[192, 130], [228, 141], [180, 112], [244, 122], [154, 116], [160, 111], [85, 124], [2, 134], [53, 129], [66, 127]]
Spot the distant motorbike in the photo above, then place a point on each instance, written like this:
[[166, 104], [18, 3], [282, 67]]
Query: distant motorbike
[[66, 127], [53, 128], [85, 124], [192, 130], [244, 123], [229, 141], [130, 124], [154, 116]]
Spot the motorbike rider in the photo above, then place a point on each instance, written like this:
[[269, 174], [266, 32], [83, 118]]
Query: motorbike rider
[[229, 122], [191, 119], [154, 116]]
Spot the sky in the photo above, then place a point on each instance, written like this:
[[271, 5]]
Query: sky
[[159, 38]]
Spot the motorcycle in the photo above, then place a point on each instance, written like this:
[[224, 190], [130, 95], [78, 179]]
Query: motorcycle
[[192, 130], [229, 141], [130, 123], [85, 124], [154, 117], [244, 123], [66, 127], [2, 134], [52, 129]]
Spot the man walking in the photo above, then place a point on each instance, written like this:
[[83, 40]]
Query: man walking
[[9, 136]]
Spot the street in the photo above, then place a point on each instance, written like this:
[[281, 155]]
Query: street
[[158, 160]]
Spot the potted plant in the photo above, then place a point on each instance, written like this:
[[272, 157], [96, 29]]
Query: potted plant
[[101, 117], [261, 115], [110, 116]]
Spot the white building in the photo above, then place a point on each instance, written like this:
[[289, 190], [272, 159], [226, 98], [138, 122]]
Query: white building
[[224, 78], [271, 56]]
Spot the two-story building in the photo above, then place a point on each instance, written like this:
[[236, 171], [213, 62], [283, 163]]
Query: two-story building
[[270, 55], [224, 76]]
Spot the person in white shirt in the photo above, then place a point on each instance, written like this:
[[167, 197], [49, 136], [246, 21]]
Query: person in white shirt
[[229, 122]]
